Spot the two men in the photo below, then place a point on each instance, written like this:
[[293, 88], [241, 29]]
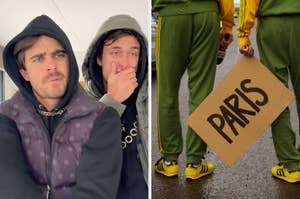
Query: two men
[[56, 129]]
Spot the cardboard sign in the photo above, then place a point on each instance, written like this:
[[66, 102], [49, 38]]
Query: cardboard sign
[[239, 109]]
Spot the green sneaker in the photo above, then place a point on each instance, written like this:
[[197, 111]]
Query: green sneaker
[[288, 176], [194, 172], [165, 168]]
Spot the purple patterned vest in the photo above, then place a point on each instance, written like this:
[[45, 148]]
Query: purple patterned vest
[[54, 164]]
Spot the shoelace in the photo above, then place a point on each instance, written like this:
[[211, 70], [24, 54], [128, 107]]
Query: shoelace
[[163, 160]]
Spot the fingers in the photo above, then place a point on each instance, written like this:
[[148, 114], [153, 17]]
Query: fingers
[[128, 75], [133, 80], [225, 41], [123, 85], [128, 72], [113, 69], [246, 50]]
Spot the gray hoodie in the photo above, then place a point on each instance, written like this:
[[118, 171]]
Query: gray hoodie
[[93, 76]]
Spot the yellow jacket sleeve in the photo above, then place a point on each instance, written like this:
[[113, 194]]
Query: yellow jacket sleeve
[[226, 15], [247, 14]]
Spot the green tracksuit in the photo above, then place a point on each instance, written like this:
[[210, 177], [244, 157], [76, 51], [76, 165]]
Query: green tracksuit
[[187, 39], [278, 40], [279, 51]]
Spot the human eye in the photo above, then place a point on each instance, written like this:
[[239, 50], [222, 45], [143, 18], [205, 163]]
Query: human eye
[[115, 52], [60, 54], [134, 54], [37, 59]]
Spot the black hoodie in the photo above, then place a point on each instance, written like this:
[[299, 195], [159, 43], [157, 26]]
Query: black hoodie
[[41, 25]]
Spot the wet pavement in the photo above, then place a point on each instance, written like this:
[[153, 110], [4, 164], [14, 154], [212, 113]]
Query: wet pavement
[[249, 178]]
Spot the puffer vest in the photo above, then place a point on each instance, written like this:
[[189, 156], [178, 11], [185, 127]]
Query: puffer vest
[[54, 162]]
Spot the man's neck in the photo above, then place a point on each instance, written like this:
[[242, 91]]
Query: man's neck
[[48, 103]]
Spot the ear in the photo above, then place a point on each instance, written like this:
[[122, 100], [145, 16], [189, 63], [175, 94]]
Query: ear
[[99, 62], [24, 74]]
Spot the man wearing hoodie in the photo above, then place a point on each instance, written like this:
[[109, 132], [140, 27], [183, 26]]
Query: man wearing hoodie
[[66, 144], [188, 38], [115, 70], [278, 42]]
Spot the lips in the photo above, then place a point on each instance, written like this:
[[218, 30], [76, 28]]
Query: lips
[[54, 78]]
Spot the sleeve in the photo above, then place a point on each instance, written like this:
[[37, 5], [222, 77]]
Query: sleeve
[[99, 169], [142, 109], [109, 101], [247, 14], [16, 179], [226, 15]]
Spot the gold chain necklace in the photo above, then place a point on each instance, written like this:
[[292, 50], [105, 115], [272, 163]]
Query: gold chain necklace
[[129, 138]]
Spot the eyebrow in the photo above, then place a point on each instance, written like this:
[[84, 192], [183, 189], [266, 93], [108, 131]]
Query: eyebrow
[[37, 55], [135, 47], [43, 54], [132, 48], [59, 51]]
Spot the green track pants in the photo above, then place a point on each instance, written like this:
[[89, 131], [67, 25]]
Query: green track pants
[[278, 40], [184, 42]]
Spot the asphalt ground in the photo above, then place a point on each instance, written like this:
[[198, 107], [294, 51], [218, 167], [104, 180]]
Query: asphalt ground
[[249, 178]]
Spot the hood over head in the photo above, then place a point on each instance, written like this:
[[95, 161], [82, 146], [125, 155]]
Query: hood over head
[[92, 72], [41, 25]]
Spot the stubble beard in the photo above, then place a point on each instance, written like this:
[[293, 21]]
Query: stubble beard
[[53, 91]]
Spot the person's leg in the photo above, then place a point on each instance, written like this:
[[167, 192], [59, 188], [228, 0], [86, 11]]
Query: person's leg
[[295, 66], [201, 72], [273, 42], [172, 48]]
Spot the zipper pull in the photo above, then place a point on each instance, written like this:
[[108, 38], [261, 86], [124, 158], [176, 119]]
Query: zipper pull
[[48, 192]]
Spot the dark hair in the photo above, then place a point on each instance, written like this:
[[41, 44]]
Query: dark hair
[[112, 36], [20, 48]]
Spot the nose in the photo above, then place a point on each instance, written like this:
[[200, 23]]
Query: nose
[[123, 63], [51, 64]]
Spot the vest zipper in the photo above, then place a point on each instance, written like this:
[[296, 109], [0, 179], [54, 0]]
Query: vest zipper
[[49, 165], [48, 162], [48, 191]]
